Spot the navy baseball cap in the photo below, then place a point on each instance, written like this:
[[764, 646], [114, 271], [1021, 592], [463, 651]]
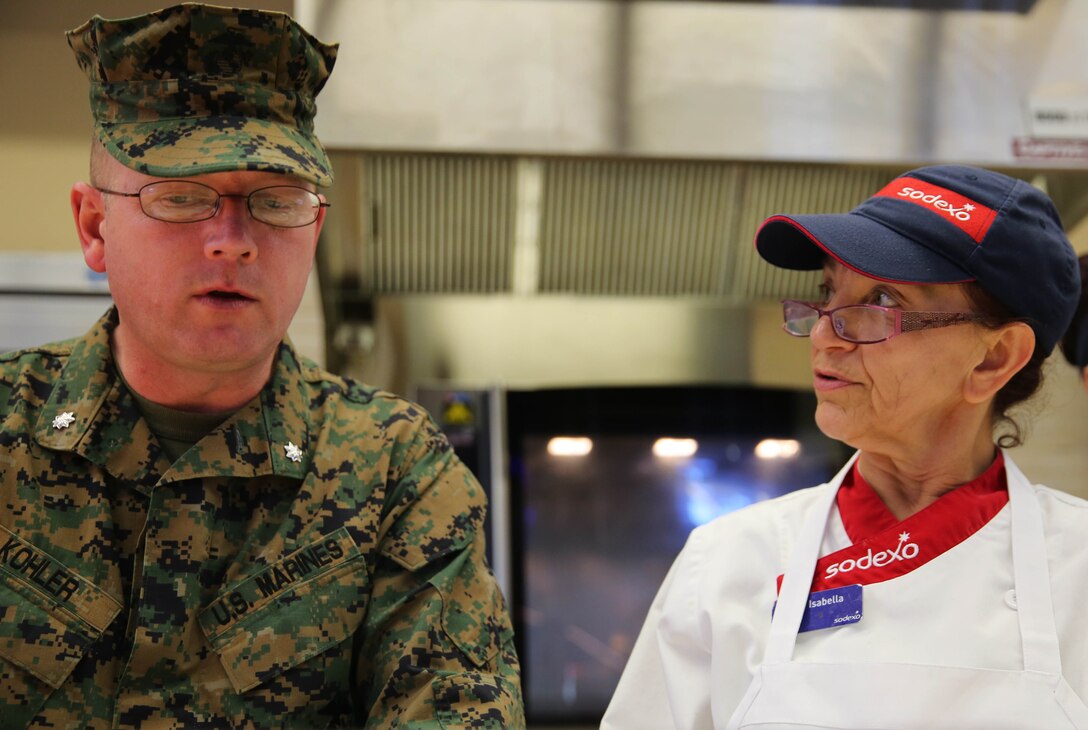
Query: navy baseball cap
[[947, 224], [1075, 341]]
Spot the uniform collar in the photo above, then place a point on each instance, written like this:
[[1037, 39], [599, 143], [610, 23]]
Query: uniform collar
[[864, 513], [90, 412]]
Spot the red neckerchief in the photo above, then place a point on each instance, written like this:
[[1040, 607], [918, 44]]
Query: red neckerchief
[[884, 548]]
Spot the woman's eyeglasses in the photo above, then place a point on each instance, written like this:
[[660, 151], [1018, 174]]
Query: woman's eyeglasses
[[865, 324]]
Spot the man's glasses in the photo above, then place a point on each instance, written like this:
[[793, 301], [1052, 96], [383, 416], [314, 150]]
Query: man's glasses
[[865, 324], [185, 201]]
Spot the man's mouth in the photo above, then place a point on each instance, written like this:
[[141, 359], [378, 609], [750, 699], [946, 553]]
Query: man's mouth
[[227, 295], [225, 298]]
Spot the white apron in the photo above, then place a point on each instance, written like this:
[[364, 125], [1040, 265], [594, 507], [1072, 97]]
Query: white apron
[[883, 696]]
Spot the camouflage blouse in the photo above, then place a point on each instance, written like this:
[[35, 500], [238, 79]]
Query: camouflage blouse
[[315, 561]]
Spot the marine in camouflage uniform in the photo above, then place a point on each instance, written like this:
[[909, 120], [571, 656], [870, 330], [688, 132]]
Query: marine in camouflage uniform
[[315, 560], [238, 586]]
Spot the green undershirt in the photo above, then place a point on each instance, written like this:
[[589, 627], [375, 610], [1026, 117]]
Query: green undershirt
[[177, 431]]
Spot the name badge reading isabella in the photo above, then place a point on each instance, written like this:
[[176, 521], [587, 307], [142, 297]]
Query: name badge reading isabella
[[831, 608]]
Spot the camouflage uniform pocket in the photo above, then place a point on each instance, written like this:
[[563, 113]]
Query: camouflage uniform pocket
[[262, 629], [474, 613], [41, 641], [474, 700]]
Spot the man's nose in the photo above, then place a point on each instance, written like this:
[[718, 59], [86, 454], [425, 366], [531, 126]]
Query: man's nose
[[231, 231]]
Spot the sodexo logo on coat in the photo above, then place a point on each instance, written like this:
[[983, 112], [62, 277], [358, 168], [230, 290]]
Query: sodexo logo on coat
[[903, 551]]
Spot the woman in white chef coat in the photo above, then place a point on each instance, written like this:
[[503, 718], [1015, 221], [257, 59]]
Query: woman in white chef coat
[[929, 584]]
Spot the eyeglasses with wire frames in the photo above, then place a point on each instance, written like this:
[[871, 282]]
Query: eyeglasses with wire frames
[[186, 201], [865, 324]]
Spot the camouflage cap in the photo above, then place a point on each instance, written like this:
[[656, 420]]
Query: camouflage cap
[[194, 89]]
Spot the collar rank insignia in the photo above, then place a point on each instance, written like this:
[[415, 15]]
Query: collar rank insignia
[[64, 420], [294, 453]]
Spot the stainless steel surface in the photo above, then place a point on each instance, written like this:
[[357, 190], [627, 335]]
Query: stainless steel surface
[[772, 81]]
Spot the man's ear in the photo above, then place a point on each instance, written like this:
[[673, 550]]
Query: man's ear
[[88, 209], [1008, 350]]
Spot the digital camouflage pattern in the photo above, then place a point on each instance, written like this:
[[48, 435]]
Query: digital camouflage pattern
[[195, 89], [238, 587]]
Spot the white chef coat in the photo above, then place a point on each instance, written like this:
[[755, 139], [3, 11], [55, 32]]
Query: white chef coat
[[706, 634]]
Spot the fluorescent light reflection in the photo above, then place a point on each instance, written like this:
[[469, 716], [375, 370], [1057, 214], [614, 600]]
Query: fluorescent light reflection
[[570, 446], [667, 448], [778, 449], [704, 502], [707, 493]]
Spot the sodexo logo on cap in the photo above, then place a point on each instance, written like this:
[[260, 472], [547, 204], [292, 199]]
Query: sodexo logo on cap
[[971, 217]]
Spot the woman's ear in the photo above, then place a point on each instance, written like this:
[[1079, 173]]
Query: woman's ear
[[88, 209], [1008, 350]]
